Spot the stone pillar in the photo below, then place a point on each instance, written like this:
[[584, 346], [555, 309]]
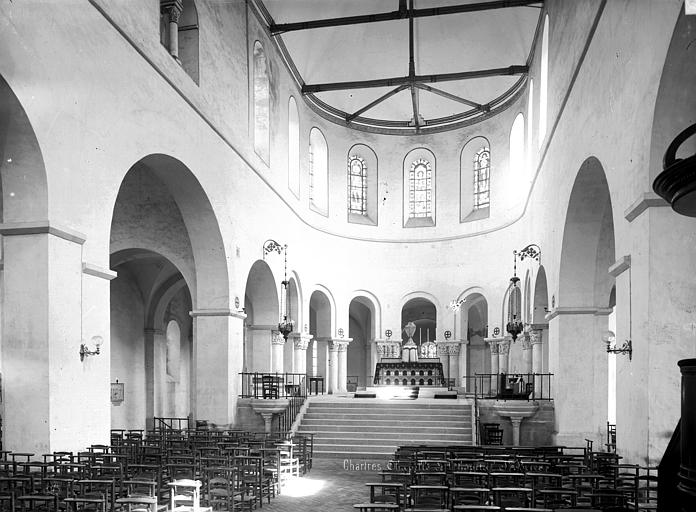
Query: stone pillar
[[342, 367], [333, 368], [300, 344], [494, 344], [155, 379], [525, 340], [277, 348], [171, 10], [48, 390], [535, 340], [217, 362], [504, 354], [449, 352]]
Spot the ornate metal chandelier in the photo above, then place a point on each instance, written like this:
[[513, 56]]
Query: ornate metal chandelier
[[515, 325], [285, 324]]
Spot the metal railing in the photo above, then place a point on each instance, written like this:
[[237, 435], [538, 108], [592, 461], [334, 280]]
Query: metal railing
[[268, 386], [509, 386], [166, 424], [273, 385]]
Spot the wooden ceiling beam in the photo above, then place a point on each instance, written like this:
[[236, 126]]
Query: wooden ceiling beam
[[280, 28], [408, 80], [379, 100]]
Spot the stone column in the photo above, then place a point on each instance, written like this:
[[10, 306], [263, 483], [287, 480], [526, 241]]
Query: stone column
[[494, 344], [171, 10], [535, 339], [449, 351], [155, 392], [504, 354], [300, 344], [342, 360], [217, 362], [333, 367], [277, 348], [525, 340]]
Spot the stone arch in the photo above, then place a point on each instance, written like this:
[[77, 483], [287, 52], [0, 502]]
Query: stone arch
[[22, 170], [208, 277], [364, 320], [675, 105], [262, 308], [581, 312], [25, 302], [421, 308]]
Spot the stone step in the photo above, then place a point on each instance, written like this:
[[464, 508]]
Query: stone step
[[367, 429], [387, 421], [390, 404], [443, 438], [347, 414]]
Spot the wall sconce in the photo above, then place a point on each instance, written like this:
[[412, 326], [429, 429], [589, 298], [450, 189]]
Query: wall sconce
[[609, 338], [85, 351]]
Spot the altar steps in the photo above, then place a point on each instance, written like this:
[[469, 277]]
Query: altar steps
[[355, 428]]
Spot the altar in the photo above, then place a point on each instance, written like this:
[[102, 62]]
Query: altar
[[409, 364], [409, 373]]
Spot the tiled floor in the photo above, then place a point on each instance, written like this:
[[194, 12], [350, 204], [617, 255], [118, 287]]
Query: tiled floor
[[333, 485]]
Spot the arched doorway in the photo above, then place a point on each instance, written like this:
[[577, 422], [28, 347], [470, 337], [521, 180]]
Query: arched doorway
[[321, 329], [166, 239], [474, 313], [262, 310], [576, 355], [422, 312], [154, 364], [361, 314]]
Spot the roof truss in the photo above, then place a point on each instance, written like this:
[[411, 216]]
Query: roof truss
[[402, 13]]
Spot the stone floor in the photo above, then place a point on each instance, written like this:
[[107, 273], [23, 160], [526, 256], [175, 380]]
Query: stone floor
[[333, 485]]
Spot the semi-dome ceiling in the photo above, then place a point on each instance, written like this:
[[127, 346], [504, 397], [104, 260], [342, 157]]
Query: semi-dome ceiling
[[353, 58]]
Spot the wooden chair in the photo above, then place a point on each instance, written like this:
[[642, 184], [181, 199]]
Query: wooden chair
[[512, 496], [96, 488], [429, 498], [469, 495], [186, 496], [388, 492], [141, 496], [85, 503]]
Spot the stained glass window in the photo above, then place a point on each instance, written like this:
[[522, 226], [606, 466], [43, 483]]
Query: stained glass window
[[420, 191], [357, 185], [482, 178]]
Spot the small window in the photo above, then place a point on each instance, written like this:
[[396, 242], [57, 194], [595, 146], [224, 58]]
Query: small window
[[420, 190], [482, 178], [318, 172], [544, 79], [293, 148], [261, 104], [357, 178]]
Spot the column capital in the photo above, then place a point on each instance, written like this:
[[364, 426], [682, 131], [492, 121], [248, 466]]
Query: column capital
[[339, 344], [277, 338], [526, 340], [538, 326], [448, 348], [535, 337], [173, 8], [504, 346], [301, 341]]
